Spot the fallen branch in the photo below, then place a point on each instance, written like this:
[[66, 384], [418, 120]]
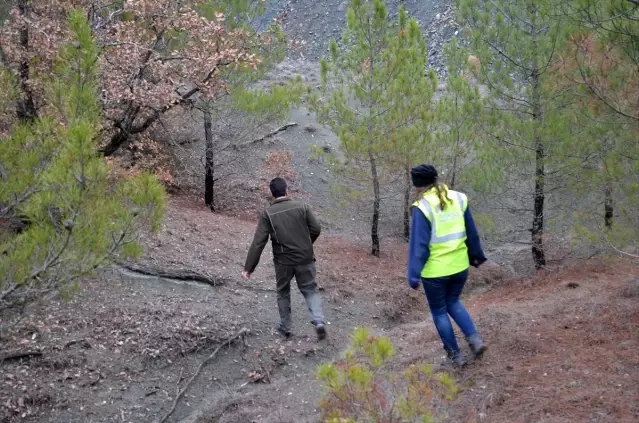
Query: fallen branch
[[242, 333], [269, 135], [620, 251], [182, 274], [184, 142], [83, 342], [253, 288], [20, 354]]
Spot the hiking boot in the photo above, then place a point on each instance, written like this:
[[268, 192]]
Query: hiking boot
[[320, 329], [284, 332], [477, 346], [457, 358]]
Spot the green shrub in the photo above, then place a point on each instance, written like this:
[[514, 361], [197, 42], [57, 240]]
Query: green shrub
[[63, 215], [360, 388]]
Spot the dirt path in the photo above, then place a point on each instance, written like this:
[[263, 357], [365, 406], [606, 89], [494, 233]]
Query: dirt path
[[563, 347], [120, 349]]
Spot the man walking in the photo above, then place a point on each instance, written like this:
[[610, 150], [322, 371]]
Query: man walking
[[293, 229]]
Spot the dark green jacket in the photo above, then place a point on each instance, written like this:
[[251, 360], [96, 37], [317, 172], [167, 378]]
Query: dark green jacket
[[293, 229]]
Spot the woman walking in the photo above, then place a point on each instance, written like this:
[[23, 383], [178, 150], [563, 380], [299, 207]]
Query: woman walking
[[443, 243]]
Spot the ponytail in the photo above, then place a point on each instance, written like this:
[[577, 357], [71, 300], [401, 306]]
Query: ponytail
[[442, 194]]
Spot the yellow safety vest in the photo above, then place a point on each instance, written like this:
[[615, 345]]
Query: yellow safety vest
[[448, 251]]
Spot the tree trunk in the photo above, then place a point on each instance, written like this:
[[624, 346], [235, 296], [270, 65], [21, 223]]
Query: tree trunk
[[124, 129], [538, 253], [539, 256], [407, 189], [608, 204], [455, 151], [454, 175], [608, 200], [376, 203], [117, 140], [209, 182], [26, 109]]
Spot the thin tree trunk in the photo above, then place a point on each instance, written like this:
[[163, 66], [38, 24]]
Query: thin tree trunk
[[26, 109], [455, 151], [539, 256], [608, 201], [209, 182], [453, 177], [538, 252], [376, 203], [608, 206], [407, 189]]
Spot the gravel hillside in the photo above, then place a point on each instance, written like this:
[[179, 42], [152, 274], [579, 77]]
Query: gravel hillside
[[314, 23]]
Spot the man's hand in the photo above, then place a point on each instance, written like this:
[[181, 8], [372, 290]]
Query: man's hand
[[246, 275]]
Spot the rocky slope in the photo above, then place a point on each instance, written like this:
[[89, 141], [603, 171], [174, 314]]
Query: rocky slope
[[313, 23]]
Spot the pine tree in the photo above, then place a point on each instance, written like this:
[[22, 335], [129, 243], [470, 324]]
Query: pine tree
[[598, 63], [604, 47], [62, 214], [516, 43], [457, 118], [604, 163], [375, 97], [412, 112]]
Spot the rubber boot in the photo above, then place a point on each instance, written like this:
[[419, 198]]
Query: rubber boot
[[477, 346]]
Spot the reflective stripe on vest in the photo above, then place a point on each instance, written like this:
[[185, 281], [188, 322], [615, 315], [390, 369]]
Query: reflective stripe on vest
[[427, 209]]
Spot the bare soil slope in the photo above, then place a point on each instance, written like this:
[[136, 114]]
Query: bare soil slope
[[563, 346]]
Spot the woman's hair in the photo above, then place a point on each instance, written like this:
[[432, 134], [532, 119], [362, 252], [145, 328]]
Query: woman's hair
[[442, 194]]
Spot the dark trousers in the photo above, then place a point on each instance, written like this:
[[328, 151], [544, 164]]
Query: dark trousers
[[305, 277], [443, 300]]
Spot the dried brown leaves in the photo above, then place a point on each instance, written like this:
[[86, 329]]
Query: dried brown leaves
[[155, 54]]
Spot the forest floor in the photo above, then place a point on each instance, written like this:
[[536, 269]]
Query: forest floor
[[563, 346]]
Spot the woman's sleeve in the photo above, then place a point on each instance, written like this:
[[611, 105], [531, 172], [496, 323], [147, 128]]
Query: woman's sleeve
[[418, 250], [475, 253]]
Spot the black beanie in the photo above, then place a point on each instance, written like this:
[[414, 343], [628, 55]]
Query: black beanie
[[423, 175]]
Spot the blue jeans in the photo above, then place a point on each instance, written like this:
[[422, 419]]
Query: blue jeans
[[443, 300]]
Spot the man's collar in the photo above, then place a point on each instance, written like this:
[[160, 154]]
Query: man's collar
[[279, 200]]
